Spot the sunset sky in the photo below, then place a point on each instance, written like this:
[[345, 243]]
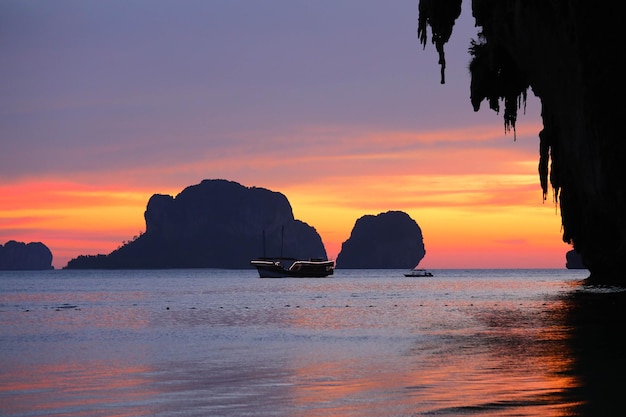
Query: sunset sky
[[333, 103]]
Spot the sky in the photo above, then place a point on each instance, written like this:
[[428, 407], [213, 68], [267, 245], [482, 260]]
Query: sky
[[335, 104]]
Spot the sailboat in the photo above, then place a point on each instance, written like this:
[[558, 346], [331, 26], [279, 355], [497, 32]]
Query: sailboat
[[283, 267]]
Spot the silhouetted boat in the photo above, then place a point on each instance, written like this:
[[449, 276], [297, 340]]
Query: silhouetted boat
[[290, 267], [282, 267], [418, 273]]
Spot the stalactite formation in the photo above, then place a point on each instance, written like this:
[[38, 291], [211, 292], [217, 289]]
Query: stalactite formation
[[440, 15]]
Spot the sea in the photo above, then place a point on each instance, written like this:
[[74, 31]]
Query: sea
[[212, 342]]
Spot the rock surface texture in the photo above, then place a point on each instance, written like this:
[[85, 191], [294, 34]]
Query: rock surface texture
[[570, 53], [390, 240], [214, 224], [25, 256]]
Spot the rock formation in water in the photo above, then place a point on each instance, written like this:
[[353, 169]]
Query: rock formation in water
[[390, 240], [573, 260], [214, 224], [570, 54], [22, 256]]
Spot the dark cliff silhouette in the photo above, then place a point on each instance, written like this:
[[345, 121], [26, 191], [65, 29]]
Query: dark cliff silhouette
[[570, 54], [22, 256], [573, 260], [214, 224], [390, 240]]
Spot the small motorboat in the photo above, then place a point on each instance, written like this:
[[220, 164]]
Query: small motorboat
[[415, 272]]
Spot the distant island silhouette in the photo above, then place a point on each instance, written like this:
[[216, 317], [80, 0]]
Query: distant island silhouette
[[391, 240], [25, 256], [569, 53], [573, 260], [214, 224]]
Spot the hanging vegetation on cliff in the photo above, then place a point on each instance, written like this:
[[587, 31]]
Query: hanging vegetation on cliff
[[569, 53], [495, 77], [440, 16]]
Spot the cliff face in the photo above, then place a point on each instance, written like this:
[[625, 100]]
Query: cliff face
[[570, 54], [214, 224], [391, 240]]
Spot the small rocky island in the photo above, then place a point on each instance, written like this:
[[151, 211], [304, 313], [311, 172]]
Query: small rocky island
[[214, 224], [15, 256], [391, 240], [573, 260]]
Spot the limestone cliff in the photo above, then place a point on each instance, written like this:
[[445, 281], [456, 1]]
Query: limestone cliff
[[391, 240], [214, 224], [570, 53]]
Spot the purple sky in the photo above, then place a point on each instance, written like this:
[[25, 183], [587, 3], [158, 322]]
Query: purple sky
[[334, 103], [93, 86]]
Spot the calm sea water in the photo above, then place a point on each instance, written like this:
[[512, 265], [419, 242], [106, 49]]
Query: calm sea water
[[362, 343]]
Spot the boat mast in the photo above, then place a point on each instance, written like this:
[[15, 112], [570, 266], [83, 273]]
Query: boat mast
[[282, 237], [264, 255]]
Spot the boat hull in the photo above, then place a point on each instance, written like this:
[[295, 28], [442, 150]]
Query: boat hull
[[418, 273], [297, 269]]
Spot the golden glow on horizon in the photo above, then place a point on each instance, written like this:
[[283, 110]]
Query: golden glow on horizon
[[478, 206], [501, 221], [71, 219], [466, 214]]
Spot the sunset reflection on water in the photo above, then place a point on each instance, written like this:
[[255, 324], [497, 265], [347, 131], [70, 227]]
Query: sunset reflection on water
[[374, 347], [77, 389], [509, 359]]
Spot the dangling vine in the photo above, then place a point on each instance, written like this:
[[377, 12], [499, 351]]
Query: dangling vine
[[495, 77], [440, 16]]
